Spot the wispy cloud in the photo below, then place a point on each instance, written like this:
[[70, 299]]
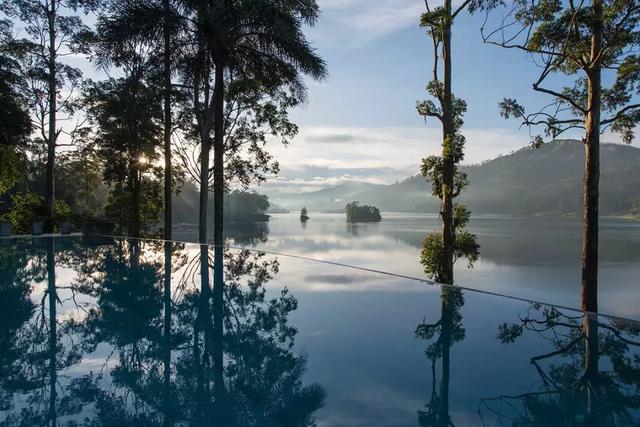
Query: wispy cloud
[[323, 156], [362, 21]]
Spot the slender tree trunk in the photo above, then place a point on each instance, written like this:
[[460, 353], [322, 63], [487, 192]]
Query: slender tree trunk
[[446, 341], [203, 301], [51, 142], [167, 123], [589, 292], [220, 391], [53, 330], [448, 169], [135, 214], [218, 154], [166, 351], [591, 358], [204, 187], [201, 88], [218, 239]]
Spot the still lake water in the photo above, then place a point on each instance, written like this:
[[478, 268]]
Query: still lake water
[[536, 258], [115, 332]]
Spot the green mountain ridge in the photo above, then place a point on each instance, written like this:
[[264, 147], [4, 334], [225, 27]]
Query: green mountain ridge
[[529, 181]]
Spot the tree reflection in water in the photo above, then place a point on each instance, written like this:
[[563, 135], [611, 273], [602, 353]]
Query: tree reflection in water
[[169, 353], [590, 378], [36, 340], [444, 333]]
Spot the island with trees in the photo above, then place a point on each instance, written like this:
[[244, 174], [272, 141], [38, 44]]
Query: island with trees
[[304, 215], [362, 213]]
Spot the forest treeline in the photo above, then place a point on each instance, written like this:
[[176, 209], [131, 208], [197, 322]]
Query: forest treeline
[[192, 91]]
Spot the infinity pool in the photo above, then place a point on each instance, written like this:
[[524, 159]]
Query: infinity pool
[[108, 332]]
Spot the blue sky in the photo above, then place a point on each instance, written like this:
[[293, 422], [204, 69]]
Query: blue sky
[[361, 123]]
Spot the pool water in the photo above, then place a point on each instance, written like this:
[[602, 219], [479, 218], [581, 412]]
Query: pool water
[[535, 258], [105, 332]]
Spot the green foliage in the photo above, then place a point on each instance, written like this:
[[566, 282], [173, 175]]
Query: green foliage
[[127, 135], [79, 183], [246, 206], [432, 168], [120, 204], [15, 123], [560, 35], [362, 213], [32, 55], [432, 255], [635, 207], [27, 208], [127, 115], [465, 246], [13, 168], [304, 215], [258, 110]]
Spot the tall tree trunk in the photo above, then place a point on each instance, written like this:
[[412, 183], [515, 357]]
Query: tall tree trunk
[[51, 140], [135, 208], [446, 341], [591, 358], [218, 239], [448, 166], [589, 292], [204, 187], [53, 330], [166, 351], [198, 357], [218, 154], [201, 86], [167, 123], [220, 391]]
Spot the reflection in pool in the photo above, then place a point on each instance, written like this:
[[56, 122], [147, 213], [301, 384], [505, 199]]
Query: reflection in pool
[[536, 258], [101, 331]]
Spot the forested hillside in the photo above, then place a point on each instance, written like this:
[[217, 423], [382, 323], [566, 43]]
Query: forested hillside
[[530, 181]]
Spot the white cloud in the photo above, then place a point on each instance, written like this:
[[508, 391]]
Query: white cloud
[[398, 147], [337, 4], [357, 22], [384, 19], [323, 156]]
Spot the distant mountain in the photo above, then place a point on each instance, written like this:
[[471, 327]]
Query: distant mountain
[[328, 199], [530, 181]]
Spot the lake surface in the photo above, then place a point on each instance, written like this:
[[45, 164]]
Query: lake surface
[[535, 258], [111, 332]]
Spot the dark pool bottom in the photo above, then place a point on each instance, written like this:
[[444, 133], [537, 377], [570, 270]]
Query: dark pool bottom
[[108, 332]]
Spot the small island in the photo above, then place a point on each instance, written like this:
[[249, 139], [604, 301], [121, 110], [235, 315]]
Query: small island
[[304, 215], [362, 213]]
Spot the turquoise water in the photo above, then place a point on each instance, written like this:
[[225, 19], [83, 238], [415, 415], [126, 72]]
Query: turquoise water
[[95, 332]]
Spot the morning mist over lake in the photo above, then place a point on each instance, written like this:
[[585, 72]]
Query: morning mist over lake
[[270, 213]]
